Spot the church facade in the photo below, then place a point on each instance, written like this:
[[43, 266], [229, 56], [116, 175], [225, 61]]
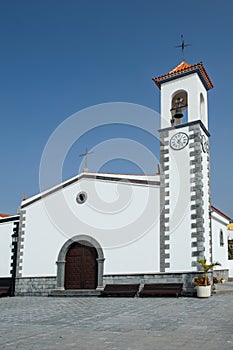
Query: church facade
[[98, 228]]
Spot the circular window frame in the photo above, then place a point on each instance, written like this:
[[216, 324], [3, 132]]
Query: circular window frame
[[81, 197]]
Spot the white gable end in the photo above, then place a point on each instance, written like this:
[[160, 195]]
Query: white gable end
[[121, 213]]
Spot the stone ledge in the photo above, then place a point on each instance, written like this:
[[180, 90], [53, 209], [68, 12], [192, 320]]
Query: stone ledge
[[74, 293]]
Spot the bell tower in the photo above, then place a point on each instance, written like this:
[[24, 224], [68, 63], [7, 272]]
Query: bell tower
[[185, 234]]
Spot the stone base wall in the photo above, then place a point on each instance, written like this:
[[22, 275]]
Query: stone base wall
[[186, 278], [43, 286], [35, 286]]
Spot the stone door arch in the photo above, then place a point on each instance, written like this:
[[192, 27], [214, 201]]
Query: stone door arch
[[82, 241]]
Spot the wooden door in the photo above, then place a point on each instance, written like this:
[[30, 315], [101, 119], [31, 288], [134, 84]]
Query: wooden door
[[81, 267]]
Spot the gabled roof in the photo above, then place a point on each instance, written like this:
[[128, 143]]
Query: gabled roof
[[220, 213], [7, 218], [183, 69], [146, 180]]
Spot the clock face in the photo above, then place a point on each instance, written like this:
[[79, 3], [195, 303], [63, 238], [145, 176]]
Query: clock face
[[179, 141], [204, 143]]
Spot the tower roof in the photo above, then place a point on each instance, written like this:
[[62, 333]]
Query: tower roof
[[183, 69]]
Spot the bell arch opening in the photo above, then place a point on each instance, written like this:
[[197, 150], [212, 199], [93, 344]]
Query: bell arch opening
[[202, 109], [179, 107]]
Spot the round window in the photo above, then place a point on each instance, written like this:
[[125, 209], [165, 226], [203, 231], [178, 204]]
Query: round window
[[81, 197]]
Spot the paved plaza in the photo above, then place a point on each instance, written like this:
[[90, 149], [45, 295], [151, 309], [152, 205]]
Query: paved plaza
[[42, 323]]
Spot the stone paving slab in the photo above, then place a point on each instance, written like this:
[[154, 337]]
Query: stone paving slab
[[40, 323]]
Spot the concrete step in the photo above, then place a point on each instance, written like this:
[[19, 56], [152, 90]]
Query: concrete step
[[74, 293], [222, 288]]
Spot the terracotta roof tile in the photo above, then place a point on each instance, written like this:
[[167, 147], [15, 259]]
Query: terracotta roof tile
[[4, 215], [183, 65], [185, 68]]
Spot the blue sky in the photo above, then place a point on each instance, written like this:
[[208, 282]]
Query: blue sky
[[58, 57]]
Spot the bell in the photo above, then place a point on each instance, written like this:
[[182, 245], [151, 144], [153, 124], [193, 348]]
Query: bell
[[178, 113], [177, 110]]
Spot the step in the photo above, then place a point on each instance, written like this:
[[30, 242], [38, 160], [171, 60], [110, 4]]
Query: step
[[74, 293], [224, 288]]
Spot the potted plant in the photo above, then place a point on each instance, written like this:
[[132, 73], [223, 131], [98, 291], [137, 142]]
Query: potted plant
[[203, 283]]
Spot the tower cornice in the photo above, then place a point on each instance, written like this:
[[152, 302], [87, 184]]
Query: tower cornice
[[187, 124], [184, 69]]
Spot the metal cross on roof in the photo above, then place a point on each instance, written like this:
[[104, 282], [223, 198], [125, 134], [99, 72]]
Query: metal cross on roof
[[183, 45], [86, 154]]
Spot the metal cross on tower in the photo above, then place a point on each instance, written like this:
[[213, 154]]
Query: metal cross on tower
[[86, 154], [183, 45]]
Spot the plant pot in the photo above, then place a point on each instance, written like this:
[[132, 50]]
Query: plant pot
[[203, 291]]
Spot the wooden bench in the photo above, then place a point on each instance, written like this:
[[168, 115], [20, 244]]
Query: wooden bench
[[159, 289], [5, 291], [120, 290]]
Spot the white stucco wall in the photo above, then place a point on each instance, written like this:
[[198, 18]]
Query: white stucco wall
[[193, 85], [220, 253], [230, 265], [123, 217], [6, 231], [179, 186], [179, 189]]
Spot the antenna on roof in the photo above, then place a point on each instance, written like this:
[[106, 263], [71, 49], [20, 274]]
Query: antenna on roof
[[183, 45]]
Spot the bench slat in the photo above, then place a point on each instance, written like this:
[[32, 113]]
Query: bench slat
[[161, 289], [149, 289], [120, 290], [4, 291]]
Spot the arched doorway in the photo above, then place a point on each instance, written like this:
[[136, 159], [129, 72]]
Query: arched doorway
[[81, 267], [83, 240]]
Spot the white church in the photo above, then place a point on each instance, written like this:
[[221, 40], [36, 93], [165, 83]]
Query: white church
[[166, 224]]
